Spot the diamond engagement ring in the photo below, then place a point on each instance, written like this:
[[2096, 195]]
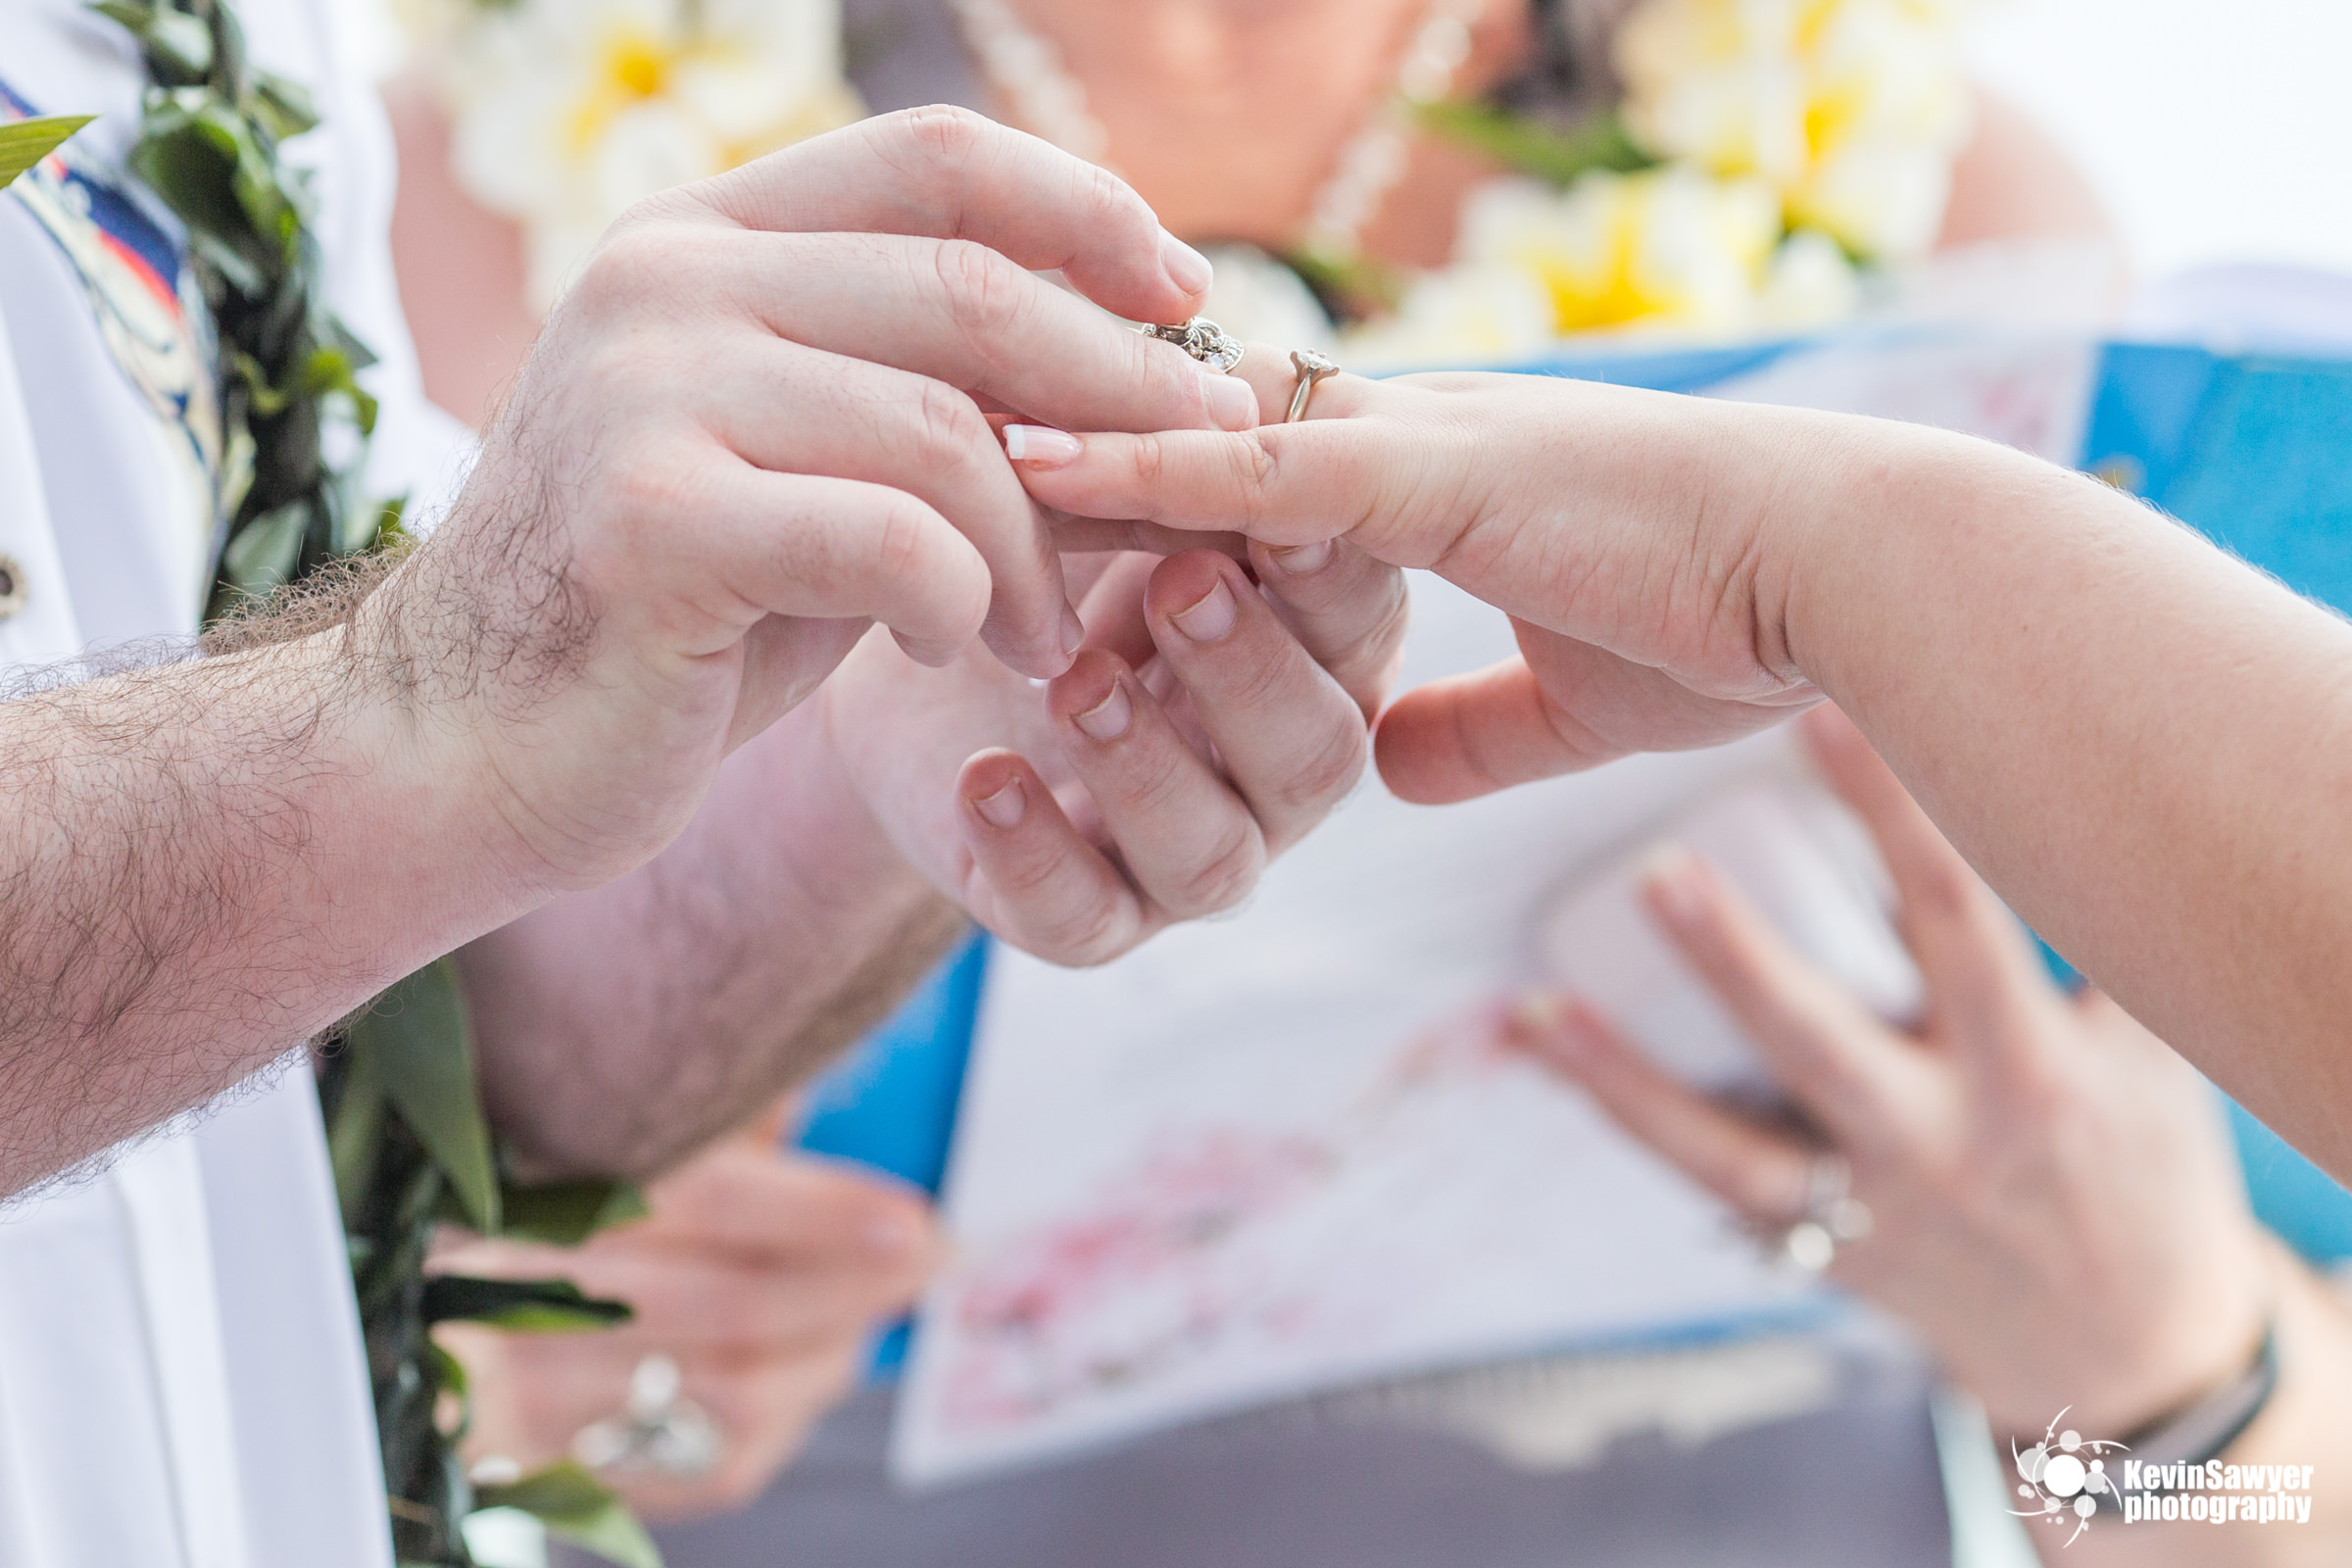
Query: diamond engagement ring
[[1311, 368], [1833, 1217], [1203, 339]]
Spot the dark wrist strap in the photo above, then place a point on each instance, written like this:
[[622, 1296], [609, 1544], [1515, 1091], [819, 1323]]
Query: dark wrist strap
[[2202, 1430]]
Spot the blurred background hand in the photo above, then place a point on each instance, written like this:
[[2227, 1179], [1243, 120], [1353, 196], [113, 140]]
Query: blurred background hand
[[761, 1274], [2054, 1202]]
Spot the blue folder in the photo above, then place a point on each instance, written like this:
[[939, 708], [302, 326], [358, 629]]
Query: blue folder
[[2255, 451]]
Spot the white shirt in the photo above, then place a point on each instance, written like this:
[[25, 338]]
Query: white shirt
[[181, 1378]]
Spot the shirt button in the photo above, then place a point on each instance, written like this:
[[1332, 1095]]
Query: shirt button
[[12, 586]]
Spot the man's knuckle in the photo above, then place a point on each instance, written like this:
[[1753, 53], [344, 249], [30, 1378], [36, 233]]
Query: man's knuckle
[[946, 132], [1225, 877], [1330, 772]]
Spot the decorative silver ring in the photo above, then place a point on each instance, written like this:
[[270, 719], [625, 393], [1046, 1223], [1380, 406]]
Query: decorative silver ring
[[1203, 339], [1833, 1217], [657, 1430], [1311, 368]]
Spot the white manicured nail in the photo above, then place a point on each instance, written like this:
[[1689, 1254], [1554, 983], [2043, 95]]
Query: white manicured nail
[[1041, 445], [1208, 617], [1231, 402]]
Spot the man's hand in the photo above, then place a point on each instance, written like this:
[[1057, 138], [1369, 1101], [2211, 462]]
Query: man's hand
[[762, 1274], [747, 431]]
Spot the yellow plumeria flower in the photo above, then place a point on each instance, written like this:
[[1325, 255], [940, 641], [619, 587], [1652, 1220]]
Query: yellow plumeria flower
[[1852, 110], [1670, 247]]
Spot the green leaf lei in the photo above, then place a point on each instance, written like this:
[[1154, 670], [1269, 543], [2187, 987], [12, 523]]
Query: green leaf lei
[[410, 1145]]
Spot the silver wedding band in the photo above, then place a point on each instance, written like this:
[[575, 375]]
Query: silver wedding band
[[1312, 367]]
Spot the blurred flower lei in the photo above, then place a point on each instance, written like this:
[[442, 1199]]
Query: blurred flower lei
[[562, 112], [1766, 156], [410, 1145]]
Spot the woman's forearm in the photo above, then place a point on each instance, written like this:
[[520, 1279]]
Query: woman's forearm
[[2145, 745]]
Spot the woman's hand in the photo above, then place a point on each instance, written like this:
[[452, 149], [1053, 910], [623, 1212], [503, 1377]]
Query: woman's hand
[[1620, 529], [2057, 1208], [760, 1273]]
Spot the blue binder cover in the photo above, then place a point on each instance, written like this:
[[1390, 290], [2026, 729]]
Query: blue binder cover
[[2255, 451]]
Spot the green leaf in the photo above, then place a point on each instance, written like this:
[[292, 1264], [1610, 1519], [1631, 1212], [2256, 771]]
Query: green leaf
[[178, 46], [568, 1213], [284, 106], [261, 559], [423, 1048], [25, 142], [578, 1508], [524, 1307], [1531, 146]]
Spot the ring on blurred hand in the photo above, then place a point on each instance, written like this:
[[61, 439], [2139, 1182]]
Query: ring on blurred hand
[[1203, 339], [659, 1431], [1833, 1216], [1311, 368]]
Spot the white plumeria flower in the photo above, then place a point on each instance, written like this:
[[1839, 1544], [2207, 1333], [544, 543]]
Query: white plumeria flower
[[566, 112], [1669, 247], [1853, 110], [1473, 314]]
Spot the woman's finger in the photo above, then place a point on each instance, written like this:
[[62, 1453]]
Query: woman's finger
[[1846, 1069], [1988, 989], [1291, 738], [1764, 1175]]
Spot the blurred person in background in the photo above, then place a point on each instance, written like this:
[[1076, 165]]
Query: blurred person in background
[[2050, 1196]]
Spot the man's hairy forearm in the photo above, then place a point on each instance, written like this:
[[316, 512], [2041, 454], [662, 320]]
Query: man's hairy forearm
[[203, 865], [623, 1027]]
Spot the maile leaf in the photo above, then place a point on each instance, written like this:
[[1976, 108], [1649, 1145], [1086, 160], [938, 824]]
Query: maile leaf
[[526, 1307], [25, 142], [577, 1507], [424, 1045], [568, 1213]]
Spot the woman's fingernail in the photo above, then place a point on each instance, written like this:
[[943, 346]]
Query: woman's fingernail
[[1041, 445], [1231, 402], [1670, 874], [1073, 631], [1535, 1013], [1186, 267], [1208, 617], [1108, 718], [1006, 807], [1300, 559]]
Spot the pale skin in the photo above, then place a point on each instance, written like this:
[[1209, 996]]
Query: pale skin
[[2056, 1202], [2142, 745], [751, 432]]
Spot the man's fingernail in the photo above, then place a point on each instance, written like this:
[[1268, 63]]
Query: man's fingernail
[[1006, 807], [1231, 402], [1073, 632], [1041, 445], [1108, 718], [1669, 875], [1186, 267], [1300, 559], [1208, 617]]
